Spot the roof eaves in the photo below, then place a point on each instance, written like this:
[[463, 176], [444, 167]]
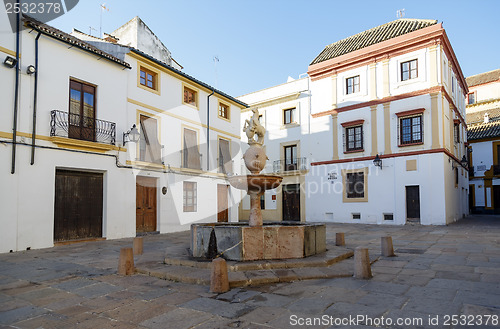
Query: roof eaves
[[187, 76]]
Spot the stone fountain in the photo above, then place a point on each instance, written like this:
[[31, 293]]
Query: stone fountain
[[257, 240]]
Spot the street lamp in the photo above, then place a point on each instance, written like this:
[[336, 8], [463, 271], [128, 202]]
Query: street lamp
[[132, 135], [377, 161]]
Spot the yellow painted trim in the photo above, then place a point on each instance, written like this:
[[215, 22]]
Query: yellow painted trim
[[138, 125], [157, 89], [8, 52], [197, 96], [373, 109], [433, 65], [335, 136], [178, 76], [152, 108], [435, 120], [334, 91], [472, 191], [451, 125], [443, 117], [344, 190], [387, 128], [144, 164], [385, 78], [219, 103], [495, 152], [272, 101], [82, 145]]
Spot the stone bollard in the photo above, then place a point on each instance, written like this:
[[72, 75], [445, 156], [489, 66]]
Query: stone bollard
[[340, 239], [387, 249], [362, 267], [126, 263], [219, 281], [138, 246]]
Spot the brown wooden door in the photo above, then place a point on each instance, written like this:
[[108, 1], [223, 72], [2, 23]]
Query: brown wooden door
[[145, 204], [291, 202], [222, 212], [413, 203], [496, 199], [78, 205]]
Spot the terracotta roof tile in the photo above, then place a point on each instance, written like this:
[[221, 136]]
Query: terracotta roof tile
[[372, 36], [483, 130], [486, 77]]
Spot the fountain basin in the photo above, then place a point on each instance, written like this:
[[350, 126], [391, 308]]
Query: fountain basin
[[255, 183], [274, 240]]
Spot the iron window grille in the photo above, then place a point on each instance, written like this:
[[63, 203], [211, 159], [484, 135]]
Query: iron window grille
[[355, 185], [411, 130], [290, 164], [353, 138]]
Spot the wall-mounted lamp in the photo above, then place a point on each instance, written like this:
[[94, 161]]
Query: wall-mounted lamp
[[10, 62], [463, 162], [132, 135], [377, 161], [31, 69]]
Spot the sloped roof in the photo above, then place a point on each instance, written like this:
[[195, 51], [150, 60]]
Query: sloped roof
[[484, 130], [486, 77], [478, 117], [69, 39], [372, 36]]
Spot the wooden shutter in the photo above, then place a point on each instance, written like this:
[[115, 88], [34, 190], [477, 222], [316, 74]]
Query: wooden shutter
[[191, 148], [149, 128], [225, 153]]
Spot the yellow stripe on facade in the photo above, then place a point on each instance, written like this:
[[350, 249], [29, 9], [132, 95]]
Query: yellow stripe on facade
[[152, 108], [9, 52]]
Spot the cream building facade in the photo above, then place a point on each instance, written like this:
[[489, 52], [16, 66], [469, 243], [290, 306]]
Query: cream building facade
[[483, 119], [396, 94], [84, 175]]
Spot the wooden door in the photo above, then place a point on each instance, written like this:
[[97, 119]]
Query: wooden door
[[413, 204], [222, 205], [145, 204], [78, 205], [496, 199], [291, 202]]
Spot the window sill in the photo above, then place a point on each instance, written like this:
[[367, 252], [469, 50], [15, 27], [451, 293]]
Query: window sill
[[354, 151], [191, 106], [225, 119], [290, 125], [84, 145], [151, 90], [411, 144]]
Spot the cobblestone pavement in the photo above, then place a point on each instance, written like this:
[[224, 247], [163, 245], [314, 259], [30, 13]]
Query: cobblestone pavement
[[439, 272]]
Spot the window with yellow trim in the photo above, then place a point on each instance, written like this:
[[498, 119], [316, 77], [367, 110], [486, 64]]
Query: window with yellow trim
[[148, 78], [190, 97], [224, 111]]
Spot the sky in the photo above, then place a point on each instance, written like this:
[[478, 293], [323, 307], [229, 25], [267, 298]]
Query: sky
[[260, 43]]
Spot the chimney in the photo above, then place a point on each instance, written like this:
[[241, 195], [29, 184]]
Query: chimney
[[110, 38], [486, 118]]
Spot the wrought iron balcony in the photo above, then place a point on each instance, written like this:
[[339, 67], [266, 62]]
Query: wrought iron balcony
[[290, 164], [80, 127]]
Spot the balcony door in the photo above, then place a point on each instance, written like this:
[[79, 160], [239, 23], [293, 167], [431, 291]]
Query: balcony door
[[290, 157], [81, 116]]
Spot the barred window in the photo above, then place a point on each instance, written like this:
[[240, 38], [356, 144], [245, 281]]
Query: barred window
[[355, 185], [411, 130], [354, 138]]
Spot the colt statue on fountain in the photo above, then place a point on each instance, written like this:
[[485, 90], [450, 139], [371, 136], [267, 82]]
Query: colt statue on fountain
[[257, 240]]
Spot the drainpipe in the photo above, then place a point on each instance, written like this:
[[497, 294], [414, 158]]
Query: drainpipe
[[208, 129], [35, 101], [16, 94]]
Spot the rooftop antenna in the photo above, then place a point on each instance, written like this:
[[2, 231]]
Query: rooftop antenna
[[400, 13], [216, 60], [103, 8], [91, 29]]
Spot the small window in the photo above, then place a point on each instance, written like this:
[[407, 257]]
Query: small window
[[190, 197], [456, 176], [352, 85], [224, 111], [409, 70], [457, 132], [190, 97], [388, 217], [288, 116], [354, 138], [356, 215], [471, 98], [355, 185], [263, 201], [148, 78], [411, 130]]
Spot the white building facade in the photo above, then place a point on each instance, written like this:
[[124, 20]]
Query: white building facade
[[83, 176], [483, 119], [394, 96]]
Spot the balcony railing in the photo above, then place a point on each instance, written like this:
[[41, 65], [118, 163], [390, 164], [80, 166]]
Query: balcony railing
[[75, 126], [290, 165]]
